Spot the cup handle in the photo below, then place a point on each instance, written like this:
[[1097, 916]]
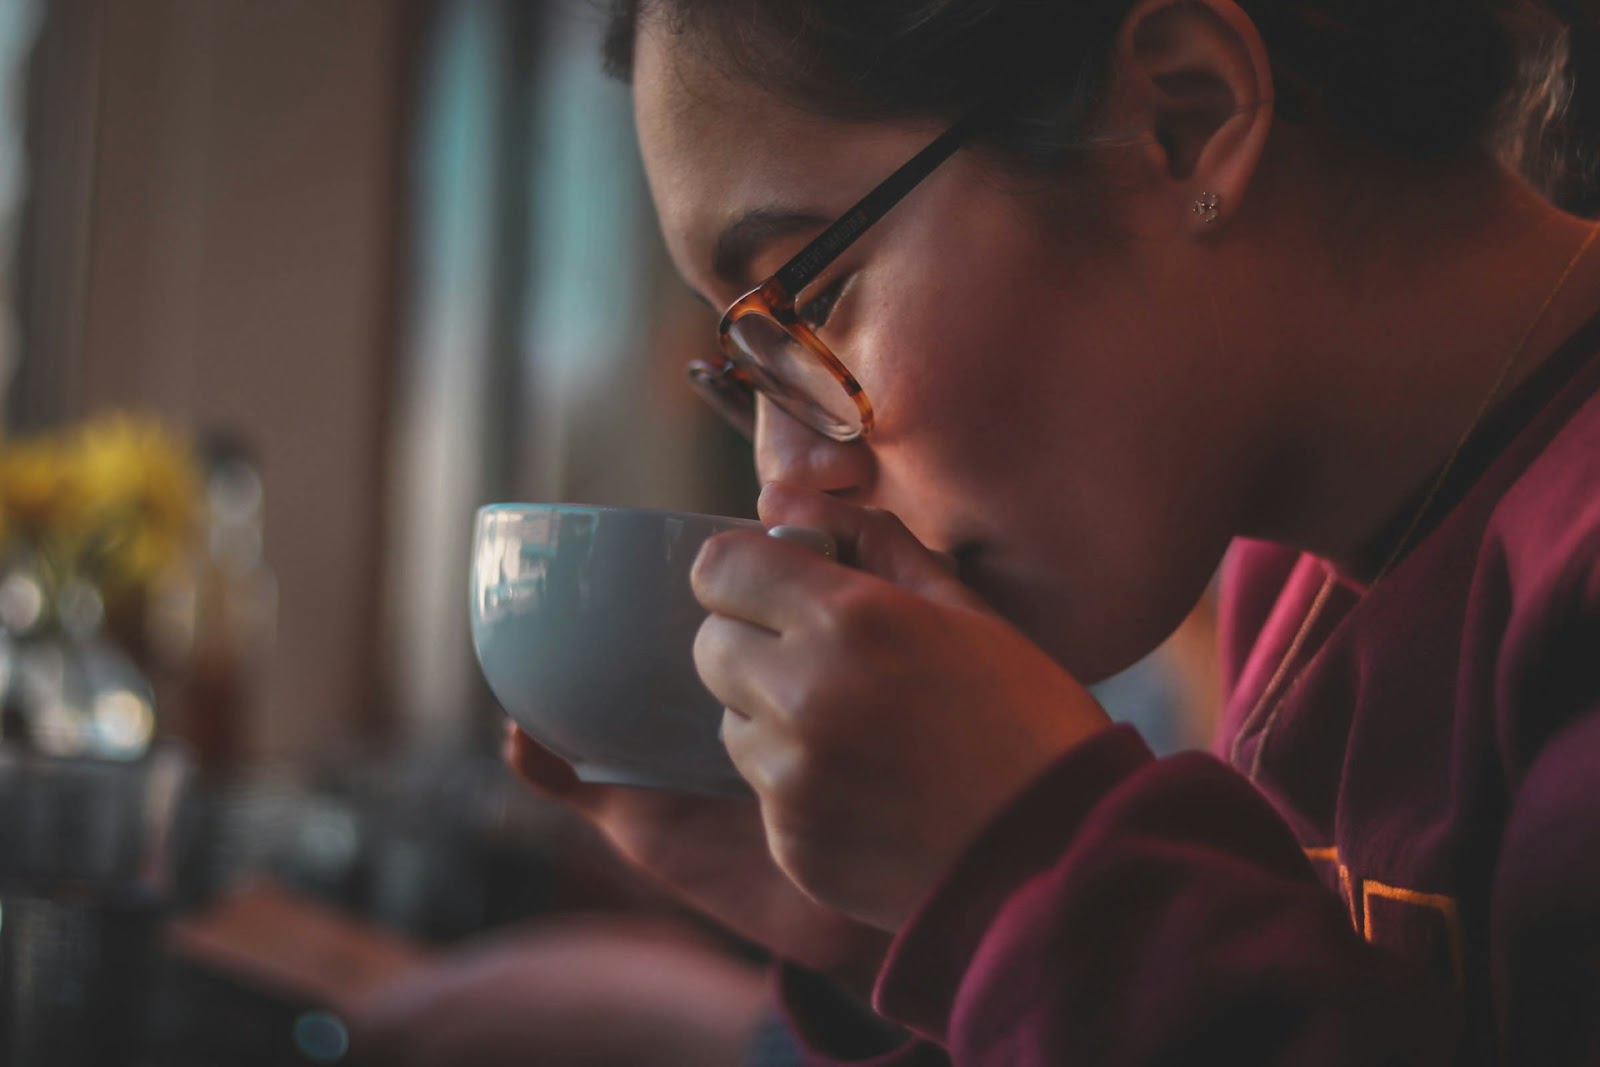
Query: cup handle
[[819, 541]]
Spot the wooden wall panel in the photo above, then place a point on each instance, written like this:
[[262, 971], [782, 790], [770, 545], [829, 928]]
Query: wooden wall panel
[[242, 270]]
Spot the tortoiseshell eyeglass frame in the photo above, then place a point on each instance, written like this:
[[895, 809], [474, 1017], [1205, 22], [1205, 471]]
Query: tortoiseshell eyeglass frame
[[727, 385]]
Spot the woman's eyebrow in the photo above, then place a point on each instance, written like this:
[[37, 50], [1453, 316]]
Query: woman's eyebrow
[[747, 235]]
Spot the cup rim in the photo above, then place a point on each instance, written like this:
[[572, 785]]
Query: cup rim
[[525, 507]]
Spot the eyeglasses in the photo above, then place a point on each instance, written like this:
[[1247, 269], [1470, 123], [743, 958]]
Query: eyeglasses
[[767, 345]]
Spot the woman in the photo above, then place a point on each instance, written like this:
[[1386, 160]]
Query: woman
[[1162, 278]]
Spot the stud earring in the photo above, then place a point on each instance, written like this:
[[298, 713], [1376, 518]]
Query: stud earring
[[1206, 207]]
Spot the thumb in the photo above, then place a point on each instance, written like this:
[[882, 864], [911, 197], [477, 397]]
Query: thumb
[[870, 540]]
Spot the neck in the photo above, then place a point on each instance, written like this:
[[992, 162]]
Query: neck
[[1384, 358]]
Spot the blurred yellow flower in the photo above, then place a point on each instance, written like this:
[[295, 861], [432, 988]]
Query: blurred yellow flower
[[111, 501], [35, 484], [137, 491]]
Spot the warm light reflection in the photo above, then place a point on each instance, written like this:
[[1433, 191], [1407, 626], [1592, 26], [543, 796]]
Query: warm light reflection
[[21, 602], [123, 721]]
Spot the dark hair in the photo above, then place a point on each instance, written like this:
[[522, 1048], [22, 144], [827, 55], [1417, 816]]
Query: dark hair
[[1422, 78], [1550, 123]]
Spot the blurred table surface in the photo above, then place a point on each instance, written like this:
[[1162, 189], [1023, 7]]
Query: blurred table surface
[[292, 891]]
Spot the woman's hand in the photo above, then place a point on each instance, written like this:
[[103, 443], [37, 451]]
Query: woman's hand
[[881, 712], [712, 852]]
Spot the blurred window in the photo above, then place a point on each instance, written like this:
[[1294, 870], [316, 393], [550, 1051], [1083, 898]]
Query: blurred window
[[18, 26], [543, 333]]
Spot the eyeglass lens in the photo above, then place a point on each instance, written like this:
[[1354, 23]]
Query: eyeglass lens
[[795, 379]]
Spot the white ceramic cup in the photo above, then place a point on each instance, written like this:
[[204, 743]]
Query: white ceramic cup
[[584, 624]]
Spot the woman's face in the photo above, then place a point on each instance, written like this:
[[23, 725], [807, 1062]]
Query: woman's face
[[1046, 395]]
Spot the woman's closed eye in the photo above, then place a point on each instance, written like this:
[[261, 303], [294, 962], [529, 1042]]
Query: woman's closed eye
[[815, 312]]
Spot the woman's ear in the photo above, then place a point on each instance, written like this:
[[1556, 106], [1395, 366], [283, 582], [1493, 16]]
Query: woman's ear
[[1195, 74]]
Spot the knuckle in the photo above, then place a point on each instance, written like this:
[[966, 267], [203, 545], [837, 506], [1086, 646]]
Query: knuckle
[[714, 654], [774, 496], [735, 738], [709, 641], [712, 560]]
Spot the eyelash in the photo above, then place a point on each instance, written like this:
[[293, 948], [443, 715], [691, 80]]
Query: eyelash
[[815, 313]]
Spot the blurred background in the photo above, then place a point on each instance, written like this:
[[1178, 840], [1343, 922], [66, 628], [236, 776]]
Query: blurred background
[[399, 253], [307, 281]]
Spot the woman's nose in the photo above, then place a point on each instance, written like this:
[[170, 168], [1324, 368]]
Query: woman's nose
[[787, 450]]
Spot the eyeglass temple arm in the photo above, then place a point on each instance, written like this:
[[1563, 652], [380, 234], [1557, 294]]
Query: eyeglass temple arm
[[814, 258]]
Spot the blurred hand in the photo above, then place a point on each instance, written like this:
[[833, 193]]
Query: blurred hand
[[605, 991], [712, 852], [881, 712]]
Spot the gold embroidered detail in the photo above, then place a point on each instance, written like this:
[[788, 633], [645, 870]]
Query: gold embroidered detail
[[1366, 920], [1445, 906], [1346, 891]]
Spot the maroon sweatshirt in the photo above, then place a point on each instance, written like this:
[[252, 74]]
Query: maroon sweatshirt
[[1413, 875]]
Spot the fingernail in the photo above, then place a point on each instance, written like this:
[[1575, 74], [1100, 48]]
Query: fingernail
[[819, 541]]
